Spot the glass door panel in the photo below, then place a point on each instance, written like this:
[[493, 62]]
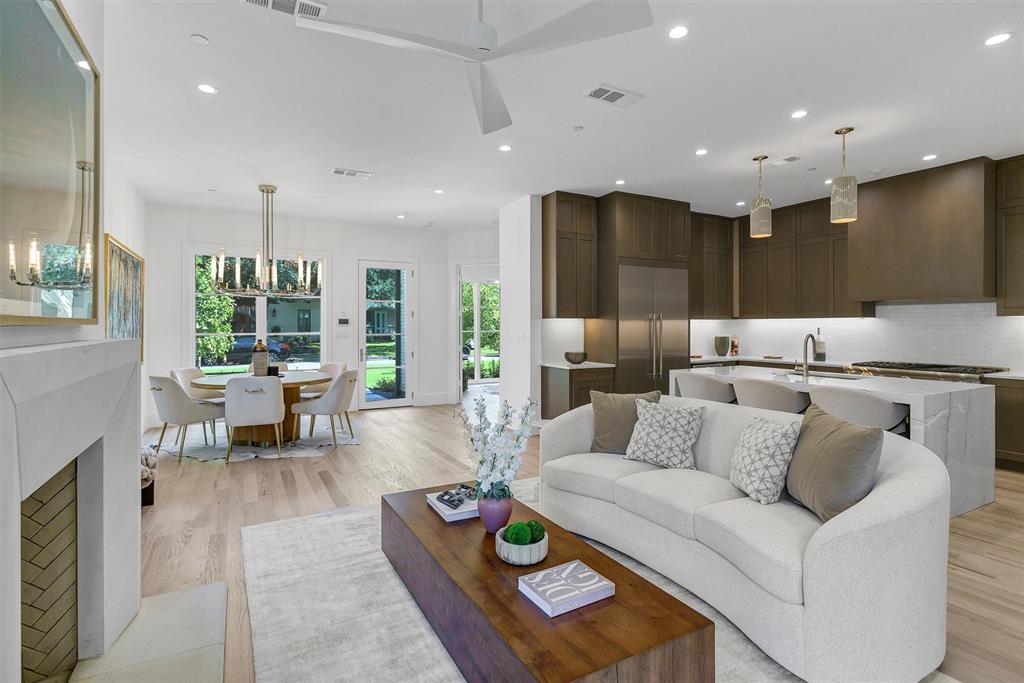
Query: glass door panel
[[384, 328]]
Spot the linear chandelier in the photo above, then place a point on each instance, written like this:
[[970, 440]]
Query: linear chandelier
[[83, 259], [844, 188], [266, 264], [760, 206]]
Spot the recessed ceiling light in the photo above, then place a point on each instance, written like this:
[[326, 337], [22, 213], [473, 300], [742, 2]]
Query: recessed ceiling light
[[200, 39], [998, 38], [798, 114], [620, 181], [577, 129], [438, 191], [828, 182], [505, 148], [678, 32], [929, 157], [741, 203], [701, 152], [207, 88], [401, 216], [83, 64]]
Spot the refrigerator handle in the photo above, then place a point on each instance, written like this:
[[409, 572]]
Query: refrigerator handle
[[660, 320], [652, 346]]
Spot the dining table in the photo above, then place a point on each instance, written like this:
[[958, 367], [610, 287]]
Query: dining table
[[292, 382]]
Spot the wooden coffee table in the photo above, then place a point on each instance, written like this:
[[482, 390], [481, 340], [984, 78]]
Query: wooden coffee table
[[472, 601]]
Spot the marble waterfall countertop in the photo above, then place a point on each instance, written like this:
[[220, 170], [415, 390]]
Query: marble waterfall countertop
[[955, 420], [705, 360]]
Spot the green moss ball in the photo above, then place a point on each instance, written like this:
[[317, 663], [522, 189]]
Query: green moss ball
[[517, 534], [536, 530]]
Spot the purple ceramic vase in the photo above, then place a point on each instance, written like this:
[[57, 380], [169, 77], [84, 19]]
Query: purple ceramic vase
[[494, 513]]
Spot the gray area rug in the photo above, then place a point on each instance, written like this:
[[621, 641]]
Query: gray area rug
[[325, 605], [200, 446]]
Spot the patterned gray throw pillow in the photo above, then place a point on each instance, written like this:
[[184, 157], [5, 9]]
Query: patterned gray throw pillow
[[761, 458], [664, 435]]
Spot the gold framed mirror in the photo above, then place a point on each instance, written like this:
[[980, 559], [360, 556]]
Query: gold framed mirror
[[49, 168]]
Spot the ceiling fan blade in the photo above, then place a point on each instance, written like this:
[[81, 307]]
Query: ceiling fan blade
[[391, 38], [594, 20], [490, 105]]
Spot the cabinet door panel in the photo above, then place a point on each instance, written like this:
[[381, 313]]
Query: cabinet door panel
[[580, 394], [696, 276], [565, 214], [723, 233], [643, 229], [1010, 183], [625, 226], [780, 267], [753, 281], [565, 256], [586, 277], [839, 298], [661, 240], [696, 230], [723, 289], [783, 225], [586, 216], [1010, 261], [812, 277], [678, 232], [812, 220], [708, 256]]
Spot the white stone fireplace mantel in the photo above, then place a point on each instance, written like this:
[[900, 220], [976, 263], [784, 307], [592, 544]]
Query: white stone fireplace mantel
[[60, 402]]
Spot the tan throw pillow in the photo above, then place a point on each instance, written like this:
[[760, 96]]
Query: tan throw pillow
[[835, 463], [614, 419]]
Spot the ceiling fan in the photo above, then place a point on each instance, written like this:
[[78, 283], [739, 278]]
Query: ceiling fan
[[596, 19]]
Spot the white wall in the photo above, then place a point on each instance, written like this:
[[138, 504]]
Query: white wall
[[173, 231], [519, 249], [559, 335], [970, 334]]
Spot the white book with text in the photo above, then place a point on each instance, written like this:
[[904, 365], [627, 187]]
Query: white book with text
[[564, 588]]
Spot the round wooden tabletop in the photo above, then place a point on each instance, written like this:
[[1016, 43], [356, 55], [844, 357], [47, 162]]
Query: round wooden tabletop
[[289, 379]]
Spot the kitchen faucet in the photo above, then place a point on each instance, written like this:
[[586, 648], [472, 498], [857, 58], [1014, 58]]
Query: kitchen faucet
[[807, 374]]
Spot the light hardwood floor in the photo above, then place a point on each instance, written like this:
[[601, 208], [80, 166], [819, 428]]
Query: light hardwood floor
[[192, 535]]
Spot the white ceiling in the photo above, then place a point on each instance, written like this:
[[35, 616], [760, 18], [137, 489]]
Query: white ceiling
[[912, 77]]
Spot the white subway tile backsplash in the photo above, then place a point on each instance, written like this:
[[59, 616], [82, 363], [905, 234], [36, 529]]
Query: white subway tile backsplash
[[969, 334], [558, 336]]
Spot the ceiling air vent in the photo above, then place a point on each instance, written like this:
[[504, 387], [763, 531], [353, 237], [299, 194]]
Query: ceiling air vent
[[612, 95], [784, 160], [298, 8], [350, 173]]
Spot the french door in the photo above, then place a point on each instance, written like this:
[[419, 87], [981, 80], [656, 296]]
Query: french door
[[387, 327]]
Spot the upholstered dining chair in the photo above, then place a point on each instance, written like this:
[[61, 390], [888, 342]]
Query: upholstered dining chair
[[176, 407], [335, 402], [316, 390], [763, 393], [861, 407], [184, 377], [695, 385], [253, 401]]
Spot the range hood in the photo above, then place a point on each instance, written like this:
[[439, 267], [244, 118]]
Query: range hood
[[926, 236]]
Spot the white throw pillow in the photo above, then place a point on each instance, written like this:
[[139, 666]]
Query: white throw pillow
[[664, 435], [761, 459]]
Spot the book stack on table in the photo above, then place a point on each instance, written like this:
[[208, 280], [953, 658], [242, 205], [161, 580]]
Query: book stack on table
[[468, 509]]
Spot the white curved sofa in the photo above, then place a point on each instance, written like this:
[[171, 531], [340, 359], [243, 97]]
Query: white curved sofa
[[859, 598]]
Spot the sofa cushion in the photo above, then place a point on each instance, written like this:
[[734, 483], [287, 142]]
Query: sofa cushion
[[761, 458], [591, 474], [614, 419], [765, 542], [670, 497], [664, 435]]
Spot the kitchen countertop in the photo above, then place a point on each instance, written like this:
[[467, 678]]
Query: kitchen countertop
[[761, 359], [586, 365], [1009, 374]]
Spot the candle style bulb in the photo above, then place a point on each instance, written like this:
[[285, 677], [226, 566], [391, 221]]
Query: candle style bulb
[[12, 259], [238, 272]]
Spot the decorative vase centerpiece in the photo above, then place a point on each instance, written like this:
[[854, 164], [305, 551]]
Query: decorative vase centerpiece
[[722, 346], [522, 543], [500, 452]]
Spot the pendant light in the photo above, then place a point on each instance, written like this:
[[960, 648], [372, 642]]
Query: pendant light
[[760, 206], [844, 189]]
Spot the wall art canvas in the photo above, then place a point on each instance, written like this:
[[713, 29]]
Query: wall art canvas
[[124, 286]]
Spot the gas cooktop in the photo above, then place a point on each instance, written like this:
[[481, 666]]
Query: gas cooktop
[[929, 367]]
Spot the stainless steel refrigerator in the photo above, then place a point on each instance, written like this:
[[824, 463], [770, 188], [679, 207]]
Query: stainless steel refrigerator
[[653, 327]]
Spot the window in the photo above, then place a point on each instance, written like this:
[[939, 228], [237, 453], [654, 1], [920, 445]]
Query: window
[[481, 330], [227, 326]]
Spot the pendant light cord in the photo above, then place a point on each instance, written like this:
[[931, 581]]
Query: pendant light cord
[[844, 154]]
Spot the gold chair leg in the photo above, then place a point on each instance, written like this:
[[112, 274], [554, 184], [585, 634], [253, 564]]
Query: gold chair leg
[[296, 424], [277, 435], [206, 439], [312, 421], [213, 429], [181, 448], [349, 420], [334, 433], [160, 441], [177, 437], [231, 442]]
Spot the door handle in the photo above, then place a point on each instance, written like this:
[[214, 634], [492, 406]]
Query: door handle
[[360, 355]]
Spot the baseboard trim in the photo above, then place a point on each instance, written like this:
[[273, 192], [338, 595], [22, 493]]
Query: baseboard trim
[[434, 399]]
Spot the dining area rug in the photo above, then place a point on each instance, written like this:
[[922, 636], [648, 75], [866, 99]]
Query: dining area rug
[[201, 447], [325, 605]]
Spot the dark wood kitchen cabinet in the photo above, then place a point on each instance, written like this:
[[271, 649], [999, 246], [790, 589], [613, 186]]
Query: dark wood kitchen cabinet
[[753, 282], [569, 258], [780, 280], [649, 228], [563, 389], [1009, 426], [812, 290], [710, 267], [1010, 183], [1010, 261]]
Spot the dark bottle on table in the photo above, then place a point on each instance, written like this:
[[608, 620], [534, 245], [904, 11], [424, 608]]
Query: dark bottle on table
[[260, 359]]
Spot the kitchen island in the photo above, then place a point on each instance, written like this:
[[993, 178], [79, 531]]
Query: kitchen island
[[955, 420]]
